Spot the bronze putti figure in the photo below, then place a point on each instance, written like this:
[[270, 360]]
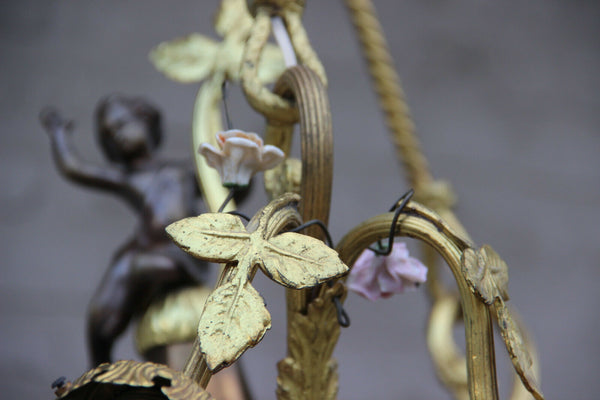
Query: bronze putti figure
[[160, 192]]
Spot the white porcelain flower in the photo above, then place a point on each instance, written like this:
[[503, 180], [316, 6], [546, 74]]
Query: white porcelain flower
[[240, 155], [375, 277]]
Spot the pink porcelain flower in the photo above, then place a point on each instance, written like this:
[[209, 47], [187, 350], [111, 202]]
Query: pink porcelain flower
[[240, 155], [375, 277]]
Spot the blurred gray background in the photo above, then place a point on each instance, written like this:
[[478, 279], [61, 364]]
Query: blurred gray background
[[505, 99]]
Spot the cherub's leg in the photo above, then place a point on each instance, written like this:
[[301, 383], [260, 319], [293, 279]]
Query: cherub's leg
[[134, 279], [159, 272], [111, 308]]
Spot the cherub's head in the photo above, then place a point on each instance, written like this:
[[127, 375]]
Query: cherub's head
[[128, 128]]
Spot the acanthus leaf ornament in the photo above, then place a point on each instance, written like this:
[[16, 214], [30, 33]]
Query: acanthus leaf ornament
[[517, 349], [315, 335], [234, 317], [486, 273], [487, 276]]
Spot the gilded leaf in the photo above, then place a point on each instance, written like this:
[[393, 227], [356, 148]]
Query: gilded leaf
[[216, 237], [486, 273], [188, 59], [234, 319], [515, 344], [194, 57], [309, 372], [298, 261]]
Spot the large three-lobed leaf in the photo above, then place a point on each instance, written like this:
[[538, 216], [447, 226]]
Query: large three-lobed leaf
[[235, 317], [292, 260]]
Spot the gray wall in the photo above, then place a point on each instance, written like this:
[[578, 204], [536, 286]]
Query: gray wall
[[505, 98]]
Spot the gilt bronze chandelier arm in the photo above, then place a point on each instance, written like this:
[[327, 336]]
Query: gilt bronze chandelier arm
[[478, 323]]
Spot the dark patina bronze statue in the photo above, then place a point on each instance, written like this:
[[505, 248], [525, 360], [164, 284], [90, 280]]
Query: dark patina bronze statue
[[149, 264]]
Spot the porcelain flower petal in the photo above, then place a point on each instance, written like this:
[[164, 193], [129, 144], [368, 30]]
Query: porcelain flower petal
[[375, 277], [240, 155], [363, 275]]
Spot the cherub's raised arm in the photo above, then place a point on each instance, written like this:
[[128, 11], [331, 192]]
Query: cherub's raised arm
[[68, 161]]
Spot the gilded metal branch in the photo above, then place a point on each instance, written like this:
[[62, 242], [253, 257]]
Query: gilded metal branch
[[259, 97], [425, 225]]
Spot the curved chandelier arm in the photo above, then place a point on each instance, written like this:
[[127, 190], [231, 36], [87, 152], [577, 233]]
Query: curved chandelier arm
[[419, 223]]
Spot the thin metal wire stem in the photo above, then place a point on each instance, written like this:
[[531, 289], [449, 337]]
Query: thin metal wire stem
[[398, 206]]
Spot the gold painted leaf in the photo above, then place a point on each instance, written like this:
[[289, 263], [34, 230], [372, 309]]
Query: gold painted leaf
[[186, 60], [193, 58], [515, 344], [309, 371], [234, 319], [216, 237], [299, 261], [486, 273]]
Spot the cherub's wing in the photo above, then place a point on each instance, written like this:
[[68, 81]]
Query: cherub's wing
[[298, 261], [216, 237]]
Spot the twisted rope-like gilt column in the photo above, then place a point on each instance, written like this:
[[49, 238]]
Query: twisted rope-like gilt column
[[391, 97], [258, 95], [386, 82]]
